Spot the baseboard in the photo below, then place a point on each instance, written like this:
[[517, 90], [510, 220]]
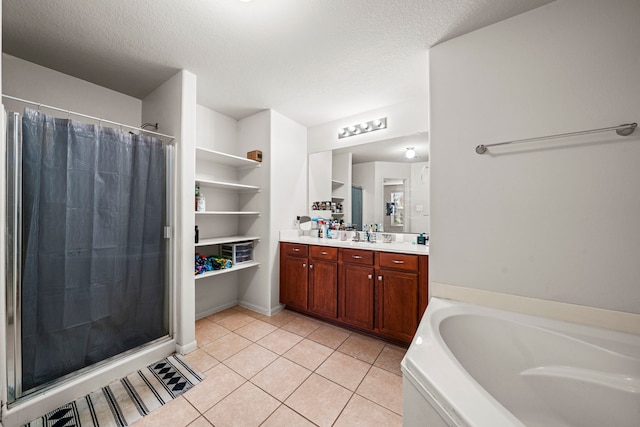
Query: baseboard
[[187, 348], [216, 309], [593, 316]]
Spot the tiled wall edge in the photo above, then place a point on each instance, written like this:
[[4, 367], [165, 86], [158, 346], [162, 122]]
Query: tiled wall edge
[[593, 316]]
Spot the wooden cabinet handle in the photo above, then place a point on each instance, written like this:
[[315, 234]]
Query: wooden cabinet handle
[[395, 261], [356, 257], [380, 278]]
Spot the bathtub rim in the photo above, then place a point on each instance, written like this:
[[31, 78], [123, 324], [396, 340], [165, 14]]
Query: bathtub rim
[[462, 399]]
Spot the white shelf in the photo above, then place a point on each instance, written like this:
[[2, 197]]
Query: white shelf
[[337, 199], [228, 185], [226, 159], [236, 267], [230, 239], [336, 183], [337, 213], [227, 213]]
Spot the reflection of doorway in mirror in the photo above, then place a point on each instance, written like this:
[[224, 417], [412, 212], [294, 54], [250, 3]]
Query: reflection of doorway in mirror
[[394, 203], [356, 207]]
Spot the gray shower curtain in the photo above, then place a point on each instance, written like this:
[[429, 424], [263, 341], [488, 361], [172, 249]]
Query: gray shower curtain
[[93, 261]]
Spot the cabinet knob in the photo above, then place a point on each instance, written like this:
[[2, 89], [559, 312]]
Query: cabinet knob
[[310, 266], [356, 257], [324, 252], [395, 261], [380, 278], [304, 265], [370, 277], [296, 249]]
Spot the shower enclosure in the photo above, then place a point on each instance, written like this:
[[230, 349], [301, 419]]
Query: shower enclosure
[[88, 253]]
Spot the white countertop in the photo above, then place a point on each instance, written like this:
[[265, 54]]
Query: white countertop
[[401, 247]]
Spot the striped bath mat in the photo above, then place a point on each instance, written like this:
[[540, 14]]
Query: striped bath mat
[[128, 399]]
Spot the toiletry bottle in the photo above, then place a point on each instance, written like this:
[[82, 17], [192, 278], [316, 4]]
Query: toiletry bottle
[[197, 234], [197, 195]]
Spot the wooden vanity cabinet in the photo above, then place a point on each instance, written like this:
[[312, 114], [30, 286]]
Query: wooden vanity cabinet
[[383, 293], [294, 279], [397, 284], [323, 281], [356, 288]]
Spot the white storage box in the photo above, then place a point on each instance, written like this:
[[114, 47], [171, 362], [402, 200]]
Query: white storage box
[[237, 252]]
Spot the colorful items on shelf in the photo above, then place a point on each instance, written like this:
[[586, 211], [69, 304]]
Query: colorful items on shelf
[[205, 264]]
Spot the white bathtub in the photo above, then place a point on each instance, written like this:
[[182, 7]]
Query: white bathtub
[[470, 365]]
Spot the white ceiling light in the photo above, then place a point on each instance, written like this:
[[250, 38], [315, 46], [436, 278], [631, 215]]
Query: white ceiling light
[[364, 127], [410, 153]]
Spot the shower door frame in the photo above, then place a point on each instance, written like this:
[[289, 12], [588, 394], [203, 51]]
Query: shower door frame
[[13, 270]]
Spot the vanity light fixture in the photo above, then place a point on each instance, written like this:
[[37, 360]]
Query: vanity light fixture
[[364, 127], [410, 153]]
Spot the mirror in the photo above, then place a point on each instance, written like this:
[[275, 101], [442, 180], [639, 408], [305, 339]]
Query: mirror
[[377, 184]]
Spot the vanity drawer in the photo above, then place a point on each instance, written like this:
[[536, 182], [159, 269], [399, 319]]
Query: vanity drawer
[[294, 249], [324, 252], [357, 256], [405, 262]]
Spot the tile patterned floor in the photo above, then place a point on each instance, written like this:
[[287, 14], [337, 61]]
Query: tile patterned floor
[[286, 370]]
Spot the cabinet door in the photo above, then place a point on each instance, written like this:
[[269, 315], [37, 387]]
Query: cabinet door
[[294, 282], [357, 295], [323, 288], [397, 303]]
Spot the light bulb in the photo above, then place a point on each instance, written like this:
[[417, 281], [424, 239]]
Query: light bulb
[[410, 153], [343, 131], [364, 126], [352, 129], [377, 123]]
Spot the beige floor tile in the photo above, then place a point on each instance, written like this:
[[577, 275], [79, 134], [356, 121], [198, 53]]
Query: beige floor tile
[[281, 378], [361, 412], [235, 321], [219, 383], [221, 314], [390, 358], [249, 312], [344, 370], [383, 388], [302, 326], [201, 422], [280, 319], [202, 322], [319, 400], [247, 406], [329, 336], [251, 360], [176, 413], [285, 416], [280, 341], [254, 331], [201, 360], [227, 346], [209, 332], [364, 348], [308, 353]]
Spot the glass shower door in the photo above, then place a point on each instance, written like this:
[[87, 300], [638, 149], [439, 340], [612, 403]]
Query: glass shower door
[[88, 210]]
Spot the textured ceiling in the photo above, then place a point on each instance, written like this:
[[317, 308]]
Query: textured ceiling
[[314, 61]]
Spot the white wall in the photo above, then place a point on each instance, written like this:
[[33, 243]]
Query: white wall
[[288, 188], [342, 171], [556, 220], [403, 119], [418, 206], [173, 106], [33, 82], [215, 131]]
